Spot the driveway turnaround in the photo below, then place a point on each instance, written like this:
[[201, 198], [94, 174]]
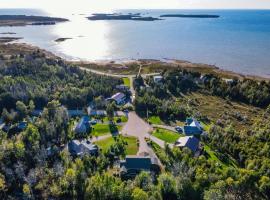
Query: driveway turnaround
[[137, 127]]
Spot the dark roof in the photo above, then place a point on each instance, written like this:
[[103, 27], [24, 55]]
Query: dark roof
[[190, 142], [83, 122], [189, 130], [137, 162]]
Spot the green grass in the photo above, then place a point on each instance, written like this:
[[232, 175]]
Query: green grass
[[206, 127], [166, 135], [105, 144], [214, 157], [123, 119], [131, 148], [102, 129], [126, 81], [155, 120]]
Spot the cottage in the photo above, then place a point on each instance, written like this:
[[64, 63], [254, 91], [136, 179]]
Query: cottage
[[133, 165], [80, 148], [119, 98], [193, 127], [94, 112], [22, 126], [158, 79], [37, 113], [83, 126], [228, 80], [122, 87], [190, 142], [75, 113]]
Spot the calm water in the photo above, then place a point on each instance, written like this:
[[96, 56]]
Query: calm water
[[239, 40]]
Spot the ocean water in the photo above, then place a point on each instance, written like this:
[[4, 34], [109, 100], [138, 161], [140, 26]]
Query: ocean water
[[238, 41]]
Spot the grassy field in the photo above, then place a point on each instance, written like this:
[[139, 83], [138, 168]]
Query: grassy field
[[126, 82], [214, 157], [155, 120], [131, 148], [123, 119], [102, 129], [166, 135]]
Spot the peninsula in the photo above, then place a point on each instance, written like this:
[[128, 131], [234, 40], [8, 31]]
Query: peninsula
[[133, 17], [190, 16], [23, 20]]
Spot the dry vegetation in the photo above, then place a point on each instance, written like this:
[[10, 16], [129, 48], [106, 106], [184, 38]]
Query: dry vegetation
[[242, 116]]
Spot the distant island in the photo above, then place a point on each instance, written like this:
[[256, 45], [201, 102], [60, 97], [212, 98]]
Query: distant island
[[7, 33], [134, 17], [62, 39], [9, 39], [23, 20], [190, 16]]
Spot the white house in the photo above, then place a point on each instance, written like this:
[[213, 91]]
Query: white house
[[119, 98], [80, 148], [157, 79]]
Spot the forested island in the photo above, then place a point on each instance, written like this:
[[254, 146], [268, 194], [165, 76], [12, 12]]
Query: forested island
[[23, 20], [133, 17], [190, 16]]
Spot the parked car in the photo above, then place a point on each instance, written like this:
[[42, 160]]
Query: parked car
[[179, 129], [93, 122]]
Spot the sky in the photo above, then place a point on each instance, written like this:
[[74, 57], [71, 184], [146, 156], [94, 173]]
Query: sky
[[69, 5]]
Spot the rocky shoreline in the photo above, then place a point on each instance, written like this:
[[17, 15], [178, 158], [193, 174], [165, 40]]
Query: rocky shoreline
[[129, 66]]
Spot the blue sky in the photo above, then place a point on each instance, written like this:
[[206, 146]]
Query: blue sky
[[68, 5]]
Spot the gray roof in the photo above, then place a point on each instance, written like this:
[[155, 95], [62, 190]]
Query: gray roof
[[118, 96], [82, 147]]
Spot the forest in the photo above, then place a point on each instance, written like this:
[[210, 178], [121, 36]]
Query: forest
[[35, 164]]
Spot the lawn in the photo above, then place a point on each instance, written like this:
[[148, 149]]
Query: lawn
[[213, 156], [126, 82], [123, 119], [155, 120], [166, 135], [131, 148], [102, 129]]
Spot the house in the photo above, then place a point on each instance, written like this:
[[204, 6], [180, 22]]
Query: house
[[94, 112], [80, 148], [193, 127], [119, 98], [22, 126], [83, 126], [133, 165], [190, 142], [157, 79], [75, 113], [37, 113], [122, 87], [228, 80]]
